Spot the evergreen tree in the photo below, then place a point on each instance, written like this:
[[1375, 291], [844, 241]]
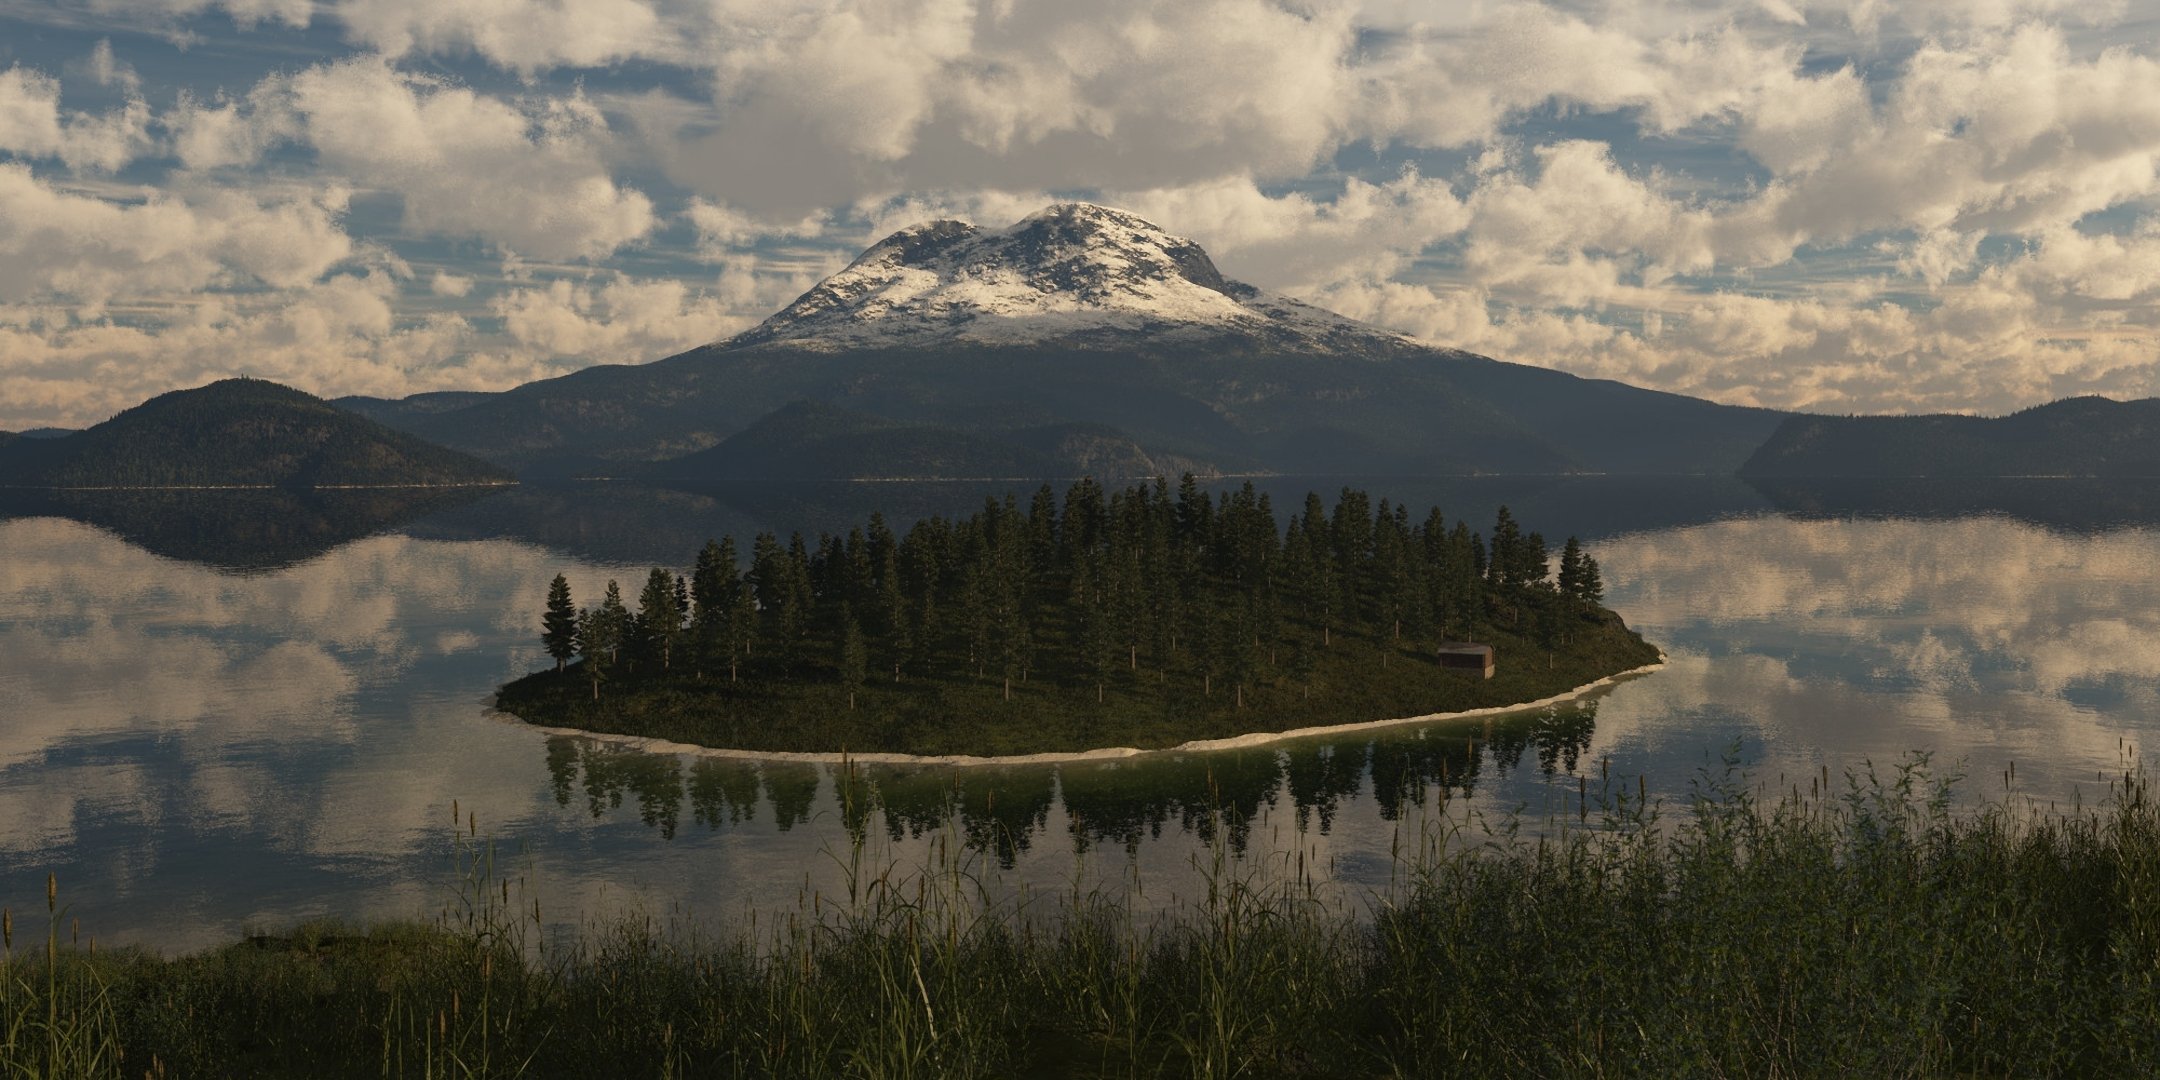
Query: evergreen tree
[[601, 632], [658, 625], [559, 624], [854, 655], [1207, 589], [1505, 558], [1571, 569]]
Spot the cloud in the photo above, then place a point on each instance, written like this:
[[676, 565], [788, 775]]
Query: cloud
[[528, 177], [1366, 229], [32, 125], [523, 35], [57, 244], [623, 320]]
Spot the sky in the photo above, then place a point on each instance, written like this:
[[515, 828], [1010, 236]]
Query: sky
[[1827, 205]]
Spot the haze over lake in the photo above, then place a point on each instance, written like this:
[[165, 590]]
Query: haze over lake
[[212, 725]]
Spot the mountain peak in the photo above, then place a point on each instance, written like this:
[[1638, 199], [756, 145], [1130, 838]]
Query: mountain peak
[[1071, 274]]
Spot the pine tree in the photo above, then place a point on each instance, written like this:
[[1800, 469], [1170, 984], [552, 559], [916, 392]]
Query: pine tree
[[559, 624], [600, 636], [854, 658], [659, 621], [1571, 569]]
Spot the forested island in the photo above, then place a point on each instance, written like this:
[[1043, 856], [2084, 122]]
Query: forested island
[[1142, 617]]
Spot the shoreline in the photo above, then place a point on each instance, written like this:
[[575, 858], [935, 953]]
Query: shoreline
[[261, 487], [652, 745]]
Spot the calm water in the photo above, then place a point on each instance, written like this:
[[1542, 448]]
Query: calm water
[[224, 715]]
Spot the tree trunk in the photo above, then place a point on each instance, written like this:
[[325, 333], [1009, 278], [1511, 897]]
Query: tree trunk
[[1098, 693], [1133, 659]]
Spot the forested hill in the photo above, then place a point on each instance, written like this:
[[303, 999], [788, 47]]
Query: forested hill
[[238, 433], [1136, 618], [2083, 437]]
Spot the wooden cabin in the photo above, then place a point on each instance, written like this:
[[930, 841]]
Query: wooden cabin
[[1467, 656]]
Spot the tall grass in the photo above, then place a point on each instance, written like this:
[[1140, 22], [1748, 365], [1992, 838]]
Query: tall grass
[[1872, 930]]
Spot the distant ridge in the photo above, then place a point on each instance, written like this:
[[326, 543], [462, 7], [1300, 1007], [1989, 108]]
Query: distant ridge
[[238, 433], [2074, 437]]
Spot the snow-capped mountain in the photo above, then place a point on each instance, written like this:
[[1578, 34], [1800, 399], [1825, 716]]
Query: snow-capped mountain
[[1074, 273], [1089, 342]]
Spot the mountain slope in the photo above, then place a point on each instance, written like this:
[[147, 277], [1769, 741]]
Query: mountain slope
[[2088, 436], [808, 440], [238, 433], [1084, 315], [1071, 274]]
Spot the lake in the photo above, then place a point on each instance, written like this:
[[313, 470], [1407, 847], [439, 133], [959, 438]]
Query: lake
[[224, 713]]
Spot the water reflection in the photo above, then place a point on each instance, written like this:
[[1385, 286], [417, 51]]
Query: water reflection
[[1005, 811], [197, 751], [240, 530], [2070, 504]]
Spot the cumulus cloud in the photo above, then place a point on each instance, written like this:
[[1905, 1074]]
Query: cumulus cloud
[[60, 244], [519, 34], [33, 126], [530, 178], [1835, 204], [621, 321]]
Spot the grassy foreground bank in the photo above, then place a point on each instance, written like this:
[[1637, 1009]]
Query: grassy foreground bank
[[1877, 933]]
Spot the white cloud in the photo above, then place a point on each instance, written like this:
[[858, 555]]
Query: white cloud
[[33, 126], [525, 35], [55, 243], [622, 321], [531, 179]]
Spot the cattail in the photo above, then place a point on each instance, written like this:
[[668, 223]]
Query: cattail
[[52, 892], [7, 928]]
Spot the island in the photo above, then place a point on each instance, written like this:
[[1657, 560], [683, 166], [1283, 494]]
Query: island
[[239, 433], [1140, 618]]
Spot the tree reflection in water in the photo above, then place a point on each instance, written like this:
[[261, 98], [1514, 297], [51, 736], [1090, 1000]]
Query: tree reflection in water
[[1215, 796]]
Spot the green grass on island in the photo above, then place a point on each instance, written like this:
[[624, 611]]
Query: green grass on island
[[1868, 931], [1139, 618], [1352, 681]]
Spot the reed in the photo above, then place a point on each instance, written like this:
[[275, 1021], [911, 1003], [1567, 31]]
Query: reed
[[1872, 930]]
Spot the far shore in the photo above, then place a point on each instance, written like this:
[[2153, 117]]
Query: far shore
[[1071, 757], [258, 487]]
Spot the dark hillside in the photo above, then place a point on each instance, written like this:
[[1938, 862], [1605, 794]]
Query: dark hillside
[[2077, 437], [807, 440], [1230, 409], [238, 433]]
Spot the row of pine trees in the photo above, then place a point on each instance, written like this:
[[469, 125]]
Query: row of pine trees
[[1103, 586]]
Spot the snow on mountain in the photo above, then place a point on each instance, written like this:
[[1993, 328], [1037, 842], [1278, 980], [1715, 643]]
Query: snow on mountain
[[1072, 274]]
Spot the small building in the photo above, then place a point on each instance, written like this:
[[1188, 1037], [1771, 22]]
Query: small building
[[1467, 656]]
